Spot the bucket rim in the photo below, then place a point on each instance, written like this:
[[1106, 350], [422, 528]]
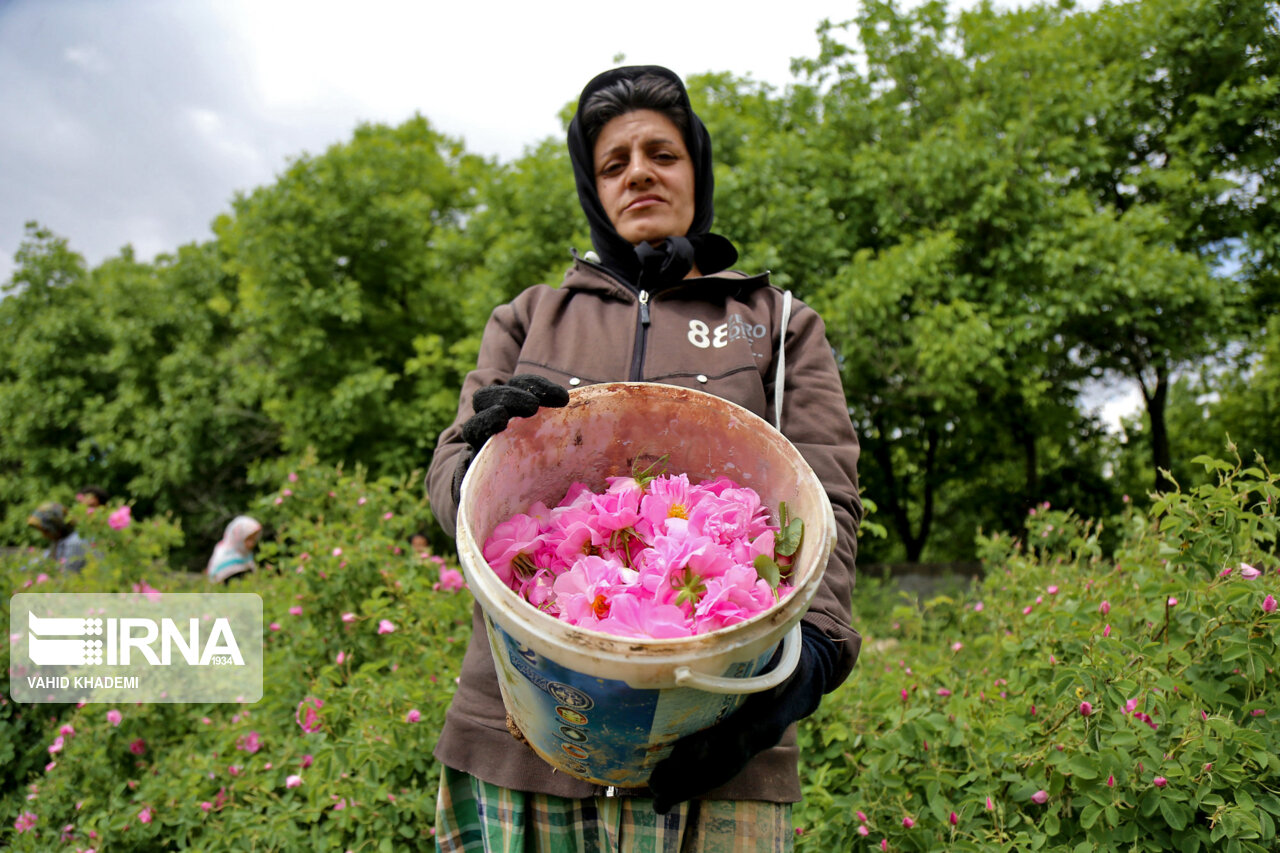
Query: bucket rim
[[779, 618]]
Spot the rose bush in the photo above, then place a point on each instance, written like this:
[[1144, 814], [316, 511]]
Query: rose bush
[[358, 775], [1076, 699]]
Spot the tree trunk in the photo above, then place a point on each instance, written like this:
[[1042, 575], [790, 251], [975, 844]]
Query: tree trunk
[[1161, 458], [1026, 440], [916, 546], [896, 499]]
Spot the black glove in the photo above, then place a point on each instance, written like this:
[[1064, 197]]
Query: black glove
[[707, 759], [494, 406]]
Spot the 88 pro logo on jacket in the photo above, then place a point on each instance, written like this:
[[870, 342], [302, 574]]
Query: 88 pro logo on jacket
[[735, 329]]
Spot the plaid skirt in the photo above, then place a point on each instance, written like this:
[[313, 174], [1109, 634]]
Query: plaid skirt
[[475, 817]]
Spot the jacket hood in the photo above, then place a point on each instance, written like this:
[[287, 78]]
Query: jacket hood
[[644, 266]]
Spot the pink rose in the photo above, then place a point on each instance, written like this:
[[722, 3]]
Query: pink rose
[[308, 714], [113, 717], [386, 627], [413, 716], [1040, 797], [293, 781], [121, 518], [451, 580]]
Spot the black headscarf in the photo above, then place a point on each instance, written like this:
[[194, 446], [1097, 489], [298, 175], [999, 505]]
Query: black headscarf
[[644, 266]]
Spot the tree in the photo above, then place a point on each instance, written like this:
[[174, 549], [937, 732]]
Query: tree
[[954, 358], [964, 160], [48, 377], [118, 376], [350, 293], [1179, 142], [182, 435]]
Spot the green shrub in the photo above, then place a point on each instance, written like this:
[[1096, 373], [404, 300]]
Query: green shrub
[[1064, 703], [216, 777], [1074, 700]]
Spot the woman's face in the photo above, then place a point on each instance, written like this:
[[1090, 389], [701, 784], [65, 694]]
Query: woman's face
[[644, 177]]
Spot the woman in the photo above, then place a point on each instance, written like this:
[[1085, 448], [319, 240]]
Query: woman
[[233, 555], [655, 303]]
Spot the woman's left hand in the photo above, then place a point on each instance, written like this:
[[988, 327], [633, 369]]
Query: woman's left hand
[[708, 759]]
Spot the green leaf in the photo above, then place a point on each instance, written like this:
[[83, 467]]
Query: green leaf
[[1082, 767], [768, 571], [790, 532], [1174, 814], [656, 469]]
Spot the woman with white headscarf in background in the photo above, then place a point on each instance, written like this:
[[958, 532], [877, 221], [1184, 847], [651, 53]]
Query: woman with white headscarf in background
[[233, 556]]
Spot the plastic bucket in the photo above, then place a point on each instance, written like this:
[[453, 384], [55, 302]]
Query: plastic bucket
[[605, 708]]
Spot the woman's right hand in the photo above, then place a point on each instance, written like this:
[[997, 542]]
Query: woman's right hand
[[495, 406]]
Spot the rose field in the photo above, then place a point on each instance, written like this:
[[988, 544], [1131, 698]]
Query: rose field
[[1106, 686]]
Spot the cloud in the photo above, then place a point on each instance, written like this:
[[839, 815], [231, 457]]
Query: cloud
[[137, 121]]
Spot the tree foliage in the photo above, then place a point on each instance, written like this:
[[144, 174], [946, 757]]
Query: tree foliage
[[991, 208]]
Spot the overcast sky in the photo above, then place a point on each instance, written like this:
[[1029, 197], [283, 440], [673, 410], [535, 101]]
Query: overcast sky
[[135, 121]]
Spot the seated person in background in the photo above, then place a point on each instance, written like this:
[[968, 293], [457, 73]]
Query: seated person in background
[[233, 556], [93, 497], [66, 548]]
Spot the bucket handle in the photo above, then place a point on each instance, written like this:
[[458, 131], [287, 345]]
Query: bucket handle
[[686, 677]]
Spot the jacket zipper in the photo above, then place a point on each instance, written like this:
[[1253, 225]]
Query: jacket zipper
[[642, 335]]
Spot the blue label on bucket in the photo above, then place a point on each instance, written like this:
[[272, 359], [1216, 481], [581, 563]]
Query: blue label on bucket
[[601, 729]]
